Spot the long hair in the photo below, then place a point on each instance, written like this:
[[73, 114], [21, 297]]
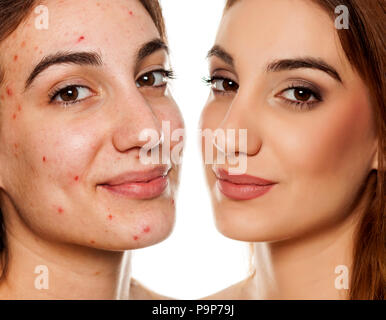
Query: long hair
[[364, 46], [12, 14]]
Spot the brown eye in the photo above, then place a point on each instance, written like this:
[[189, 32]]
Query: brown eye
[[147, 79], [223, 84], [156, 78], [69, 94], [302, 94]]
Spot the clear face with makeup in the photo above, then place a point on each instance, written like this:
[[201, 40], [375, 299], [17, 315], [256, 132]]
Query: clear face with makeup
[[74, 101], [278, 70]]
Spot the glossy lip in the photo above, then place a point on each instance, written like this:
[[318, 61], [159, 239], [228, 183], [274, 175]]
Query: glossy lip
[[241, 187], [139, 184]]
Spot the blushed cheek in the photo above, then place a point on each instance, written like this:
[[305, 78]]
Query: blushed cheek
[[336, 142]]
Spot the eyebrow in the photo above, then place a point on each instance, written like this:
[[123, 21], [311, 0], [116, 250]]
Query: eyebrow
[[281, 65], [89, 58], [219, 52], [306, 62]]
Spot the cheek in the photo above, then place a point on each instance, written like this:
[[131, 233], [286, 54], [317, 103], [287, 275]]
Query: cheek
[[63, 154], [331, 142]]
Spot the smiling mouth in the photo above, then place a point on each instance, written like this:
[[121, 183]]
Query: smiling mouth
[[241, 187], [141, 185]]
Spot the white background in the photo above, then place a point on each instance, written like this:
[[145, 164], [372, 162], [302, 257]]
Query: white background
[[196, 260]]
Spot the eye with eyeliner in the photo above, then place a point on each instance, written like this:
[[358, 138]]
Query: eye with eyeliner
[[305, 95], [230, 85]]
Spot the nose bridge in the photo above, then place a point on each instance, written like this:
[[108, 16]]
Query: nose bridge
[[239, 123], [134, 120]]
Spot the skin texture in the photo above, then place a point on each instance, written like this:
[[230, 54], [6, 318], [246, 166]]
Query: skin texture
[[319, 157], [53, 157]]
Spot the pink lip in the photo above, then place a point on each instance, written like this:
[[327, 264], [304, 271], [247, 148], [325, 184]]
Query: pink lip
[[139, 184], [242, 187]]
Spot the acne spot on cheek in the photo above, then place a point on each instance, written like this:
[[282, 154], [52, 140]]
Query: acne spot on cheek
[[44, 159], [81, 38], [146, 229], [36, 48], [173, 202], [110, 217], [14, 116], [23, 44], [131, 13], [97, 273], [16, 145], [60, 210], [135, 237], [76, 178], [92, 241], [19, 108], [9, 92], [15, 58]]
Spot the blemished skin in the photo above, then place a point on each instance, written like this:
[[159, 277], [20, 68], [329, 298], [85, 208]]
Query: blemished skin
[[54, 157], [318, 154]]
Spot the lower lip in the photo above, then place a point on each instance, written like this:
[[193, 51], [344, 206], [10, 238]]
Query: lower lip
[[242, 191], [140, 190]]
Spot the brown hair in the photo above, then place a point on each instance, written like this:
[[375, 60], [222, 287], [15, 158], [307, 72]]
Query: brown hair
[[12, 13], [364, 46]]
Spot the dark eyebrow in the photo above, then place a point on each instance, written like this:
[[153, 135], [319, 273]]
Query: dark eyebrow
[[222, 54], [150, 47], [80, 58], [307, 62]]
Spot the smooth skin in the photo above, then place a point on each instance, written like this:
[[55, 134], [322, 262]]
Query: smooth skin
[[55, 156], [318, 146]]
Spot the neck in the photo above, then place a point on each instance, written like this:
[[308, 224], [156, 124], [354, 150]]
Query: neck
[[65, 272], [304, 268]]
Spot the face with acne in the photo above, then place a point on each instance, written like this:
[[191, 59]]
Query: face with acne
[[69, 128]]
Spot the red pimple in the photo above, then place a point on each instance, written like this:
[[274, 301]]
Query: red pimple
[[16, 145], [92, 241], [97, 273], [110, 217], [80, 39], [9, 91], [131, 13], [135, 237], [14, 116], [146, 229], [23, 44], [60, 210], [76, 178], [36, 48], [15, 58], [44, 159], [19, 108]]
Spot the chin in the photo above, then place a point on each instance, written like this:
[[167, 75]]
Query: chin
[[246, 225], [141, 228]]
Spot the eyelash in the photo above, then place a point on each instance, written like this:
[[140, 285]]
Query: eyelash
[[166, 73], [297, 104]]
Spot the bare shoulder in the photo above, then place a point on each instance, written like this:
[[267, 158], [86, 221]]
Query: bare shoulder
[[139, 292], [237, 291]]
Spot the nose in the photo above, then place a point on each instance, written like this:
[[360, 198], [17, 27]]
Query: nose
[[238, 130], [135, 120]]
